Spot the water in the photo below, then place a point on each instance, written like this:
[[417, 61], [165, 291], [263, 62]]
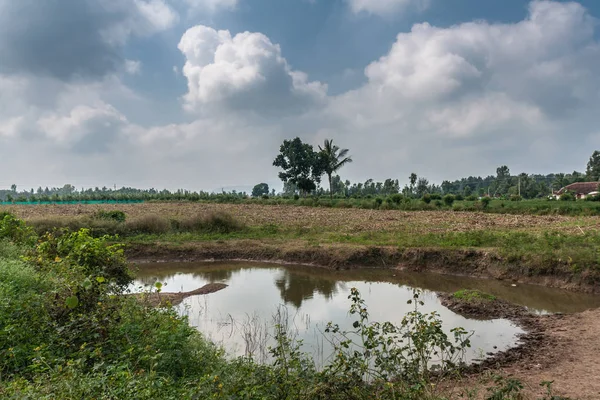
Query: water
[[240, 317]]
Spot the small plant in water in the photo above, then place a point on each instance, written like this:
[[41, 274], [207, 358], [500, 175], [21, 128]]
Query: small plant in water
[[407, 358]]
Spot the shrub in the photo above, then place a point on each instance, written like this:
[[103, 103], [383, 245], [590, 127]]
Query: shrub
[[459, 197], [593, 198], [485, 202], [378, 201], [15, 229], [515, 197], [567, 197], [296, 197], [471, 198], [449, 199], [397, 198], [114, 215], [217, 222], [426, 198], [150, 224], [435, 196]]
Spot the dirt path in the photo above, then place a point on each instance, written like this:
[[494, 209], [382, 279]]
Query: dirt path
[[570, 357]]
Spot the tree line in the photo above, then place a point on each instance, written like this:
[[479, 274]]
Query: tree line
[[303, 168]]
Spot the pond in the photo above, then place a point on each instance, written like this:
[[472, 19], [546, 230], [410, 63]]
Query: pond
[[241, 317]]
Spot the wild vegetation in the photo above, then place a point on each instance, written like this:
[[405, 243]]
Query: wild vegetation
[[90, 341]]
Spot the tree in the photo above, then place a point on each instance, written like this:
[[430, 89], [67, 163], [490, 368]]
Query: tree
[[300, 164], [260, 190], [332, 158], [13, 187], [422, 187], [593, 167]]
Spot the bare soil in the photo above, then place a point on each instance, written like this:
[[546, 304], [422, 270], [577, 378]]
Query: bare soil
[[348, 220], [156, 299], [559, 348]]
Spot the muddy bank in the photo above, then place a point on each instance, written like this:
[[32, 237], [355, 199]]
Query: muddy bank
[[536, 347], [474, 263], [157, 299]]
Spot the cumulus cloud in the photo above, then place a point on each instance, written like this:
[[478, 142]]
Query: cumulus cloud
[[492, 92], [68, 39], [443, 102], [385, 7], [85, 128], [243, 72]]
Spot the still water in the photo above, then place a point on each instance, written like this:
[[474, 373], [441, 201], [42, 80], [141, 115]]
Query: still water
[[241, 317]]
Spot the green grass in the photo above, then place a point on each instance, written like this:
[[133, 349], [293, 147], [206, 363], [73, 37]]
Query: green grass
[[473, 296]]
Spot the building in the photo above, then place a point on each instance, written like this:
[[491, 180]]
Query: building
[[580, 189]]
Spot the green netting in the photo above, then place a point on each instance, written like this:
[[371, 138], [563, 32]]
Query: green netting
[[26, 203]]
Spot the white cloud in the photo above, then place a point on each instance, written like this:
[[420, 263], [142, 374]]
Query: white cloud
[[81, 122], [140, 18], [246, 71], [386, 7], [443, 102], [133, 67]]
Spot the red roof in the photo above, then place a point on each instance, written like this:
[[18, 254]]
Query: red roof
[[580, 187]]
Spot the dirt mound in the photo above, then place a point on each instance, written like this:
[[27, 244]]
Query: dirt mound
[[159, 299]]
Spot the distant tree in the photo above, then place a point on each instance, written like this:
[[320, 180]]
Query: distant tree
[[422, 187], [260, 190], [332, 158], [13, 187], [593, 167], [446, 187], [300, 164]]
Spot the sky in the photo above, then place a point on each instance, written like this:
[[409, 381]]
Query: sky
[[199, 94]]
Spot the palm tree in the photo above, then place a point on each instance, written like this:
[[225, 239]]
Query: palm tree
[[333, 159]]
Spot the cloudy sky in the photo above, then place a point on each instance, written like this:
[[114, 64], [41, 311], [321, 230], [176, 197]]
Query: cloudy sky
[[201, 93]]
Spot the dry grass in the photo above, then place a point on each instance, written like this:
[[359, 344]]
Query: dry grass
[[330, 219]]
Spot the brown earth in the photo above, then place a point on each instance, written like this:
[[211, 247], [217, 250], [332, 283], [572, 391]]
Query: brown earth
[[559, 348], [156, 299], [348, 220]]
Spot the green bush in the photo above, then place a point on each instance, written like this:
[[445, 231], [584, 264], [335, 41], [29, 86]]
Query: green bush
[[114, 215], [217, 222], [426, 198], [449, 199], [515, 197], [148, 224], [567, 197], [485, 202]]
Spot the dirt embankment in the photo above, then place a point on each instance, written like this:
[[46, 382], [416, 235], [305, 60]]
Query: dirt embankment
[[156, 299], [558, 348], [475, 263]]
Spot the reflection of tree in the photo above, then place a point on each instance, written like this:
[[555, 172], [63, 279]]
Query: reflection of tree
[[217, 275], [295, 288]]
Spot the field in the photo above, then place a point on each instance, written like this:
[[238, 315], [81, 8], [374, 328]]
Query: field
[[552, 250]]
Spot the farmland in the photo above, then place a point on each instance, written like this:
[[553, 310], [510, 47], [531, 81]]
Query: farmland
[[552, 250]]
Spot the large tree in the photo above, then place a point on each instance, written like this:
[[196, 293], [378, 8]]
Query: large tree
[[593, 167], [300, 164], [332, 158], [261, 189]]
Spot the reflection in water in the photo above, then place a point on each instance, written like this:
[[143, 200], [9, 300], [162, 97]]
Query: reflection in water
[[299, 283], [295, 288], [242, 317]]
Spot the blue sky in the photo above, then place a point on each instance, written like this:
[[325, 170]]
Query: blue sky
[[200, 93]]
